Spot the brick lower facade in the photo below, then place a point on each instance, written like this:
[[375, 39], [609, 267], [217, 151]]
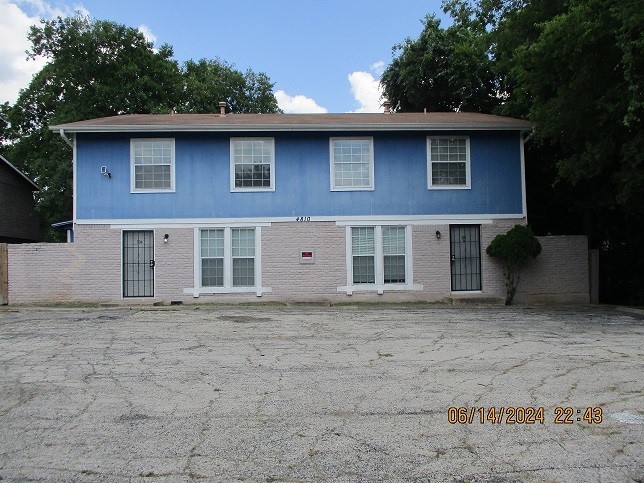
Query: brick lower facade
[[90, 269]]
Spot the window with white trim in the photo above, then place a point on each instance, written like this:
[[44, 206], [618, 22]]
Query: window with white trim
[[227, 257], [393, 252], [243, 253], [252, 164], [351, 164], [448, 162], [379, 257], [212, 258], [152, 165], [363, 252]]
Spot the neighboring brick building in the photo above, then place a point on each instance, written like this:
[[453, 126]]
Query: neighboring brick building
[[291, 207], [18, 221]]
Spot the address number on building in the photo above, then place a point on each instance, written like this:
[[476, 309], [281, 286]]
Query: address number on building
[[303, 218]]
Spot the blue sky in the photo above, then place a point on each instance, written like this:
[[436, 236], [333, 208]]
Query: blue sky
[[321, 55]]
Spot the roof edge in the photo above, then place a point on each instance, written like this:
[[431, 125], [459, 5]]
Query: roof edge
[[22, 175], [515, 126]]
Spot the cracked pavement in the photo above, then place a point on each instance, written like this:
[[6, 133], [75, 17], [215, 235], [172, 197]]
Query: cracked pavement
[[311, 393]]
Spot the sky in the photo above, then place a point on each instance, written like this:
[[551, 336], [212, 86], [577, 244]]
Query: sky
[[322, 56]]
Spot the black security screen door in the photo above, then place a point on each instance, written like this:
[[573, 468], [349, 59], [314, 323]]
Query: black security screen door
[[138, 264], [465, 248]]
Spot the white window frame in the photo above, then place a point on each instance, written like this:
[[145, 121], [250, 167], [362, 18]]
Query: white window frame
[[468, 176], [235, 189], [133, 188], [371, 186], [379, 286], [228, 287]]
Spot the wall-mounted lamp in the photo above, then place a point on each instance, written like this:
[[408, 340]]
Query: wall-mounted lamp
[[105, 172], [165, 238], [438, 234]]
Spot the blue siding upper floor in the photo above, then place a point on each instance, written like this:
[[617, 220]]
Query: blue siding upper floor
[[302, 179]]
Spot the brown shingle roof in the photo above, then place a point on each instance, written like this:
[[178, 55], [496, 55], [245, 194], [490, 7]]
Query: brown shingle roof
[[296, 122]]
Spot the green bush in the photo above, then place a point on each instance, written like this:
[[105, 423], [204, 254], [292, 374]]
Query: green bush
[[513, 249]]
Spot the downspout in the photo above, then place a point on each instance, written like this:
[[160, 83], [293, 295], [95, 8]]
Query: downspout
[[65, 138]]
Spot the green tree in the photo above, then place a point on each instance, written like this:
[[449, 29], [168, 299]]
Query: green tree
[[513, 249], [441, 70], [94, 69], [98, 68], [575, 68], [207, 82]]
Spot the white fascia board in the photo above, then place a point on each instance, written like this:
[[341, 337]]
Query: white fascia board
[[289, 128], [265, 221]]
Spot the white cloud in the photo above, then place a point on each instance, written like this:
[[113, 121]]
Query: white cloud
[[147, 33], [16, 70], [16, 16], [378, 67], [297, 104], [40, 8], [366, 90]]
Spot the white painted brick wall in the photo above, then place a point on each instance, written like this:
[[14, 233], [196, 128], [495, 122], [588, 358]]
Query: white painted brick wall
[[90, 268], [558, 274], [174, 263], [282, 244]]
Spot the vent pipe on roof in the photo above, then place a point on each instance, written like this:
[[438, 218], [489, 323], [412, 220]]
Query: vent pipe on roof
[[387, 105], [222, 108]]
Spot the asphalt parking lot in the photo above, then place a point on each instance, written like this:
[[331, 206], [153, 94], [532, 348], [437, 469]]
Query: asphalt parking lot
[[311, 393]]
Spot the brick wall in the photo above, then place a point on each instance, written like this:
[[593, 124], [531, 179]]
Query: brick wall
[[559, 274], [282, 244], [90, 268]]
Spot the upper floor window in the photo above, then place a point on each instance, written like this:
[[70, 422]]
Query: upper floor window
[[448, 162], [152, 165], [252, 164], [351, 164]]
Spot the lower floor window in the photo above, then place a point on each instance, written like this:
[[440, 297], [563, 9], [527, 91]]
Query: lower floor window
[[379, 255], [227, 257], [363, 253]]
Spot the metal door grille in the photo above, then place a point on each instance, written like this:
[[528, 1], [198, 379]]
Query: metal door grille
[[138, 264], [465, 248]]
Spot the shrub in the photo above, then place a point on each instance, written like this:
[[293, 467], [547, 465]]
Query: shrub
[[513, 249]]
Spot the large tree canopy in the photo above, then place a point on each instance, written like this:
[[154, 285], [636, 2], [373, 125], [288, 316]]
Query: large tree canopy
[[98, 68], [207, 82], [441, 70], [575, 68]]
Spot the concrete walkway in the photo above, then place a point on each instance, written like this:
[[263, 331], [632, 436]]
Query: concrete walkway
[[315, 393]]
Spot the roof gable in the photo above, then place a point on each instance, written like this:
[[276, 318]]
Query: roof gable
[[19, 174]]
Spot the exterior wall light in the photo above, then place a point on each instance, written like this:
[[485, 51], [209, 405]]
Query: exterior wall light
[[165, 238], [438, 234]]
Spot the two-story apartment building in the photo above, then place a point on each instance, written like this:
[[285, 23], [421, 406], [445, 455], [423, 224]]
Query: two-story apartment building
[[300, 206]]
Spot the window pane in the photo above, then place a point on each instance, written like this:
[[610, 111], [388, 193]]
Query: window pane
[[212, 243], [393, 240], [252, 175], [152, 163], [243, 242], [252, 160], [212, 272], [351, 160], [394, 267], [449, 174], [448, 161], [364, 269], [243, 272], [362, 240], [148, 176]]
